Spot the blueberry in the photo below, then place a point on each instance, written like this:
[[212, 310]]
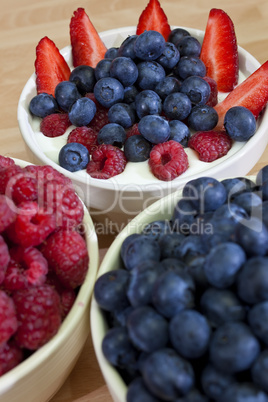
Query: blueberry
[[110, 290], [170, 245], [126, 49], [138, 392], [173, 264], [192, 246], [194, 395], [123, 114], [249, 201], [223, 263], [259, 371], [111, 53], [118, 318], [137, 148], [112, 133], [241, 392], [252, 281], [108, 91], [118, 349], [221, 305], [233, 347], [149, 45], [237, 185], [150, 73], [262, 175], [84, 78], [125, 70], [159, 374], [179, 132], [177, 34], [170, 56], [148, 102], [73, 157], [66, 94], [173, 291], [154, 128], [177, 106], [147, 329], [197, 89], [157, 229], [167, 86], [130, 94], [258, 320], [189, 46], [183, 215], [188, 66], [215, 382], [138, 249], [240, 123], [43, 104], [252, 235], [189, 333], [203, 118], [231, 211], [82, 112], [126, 243], [219, 230], [102, 69]]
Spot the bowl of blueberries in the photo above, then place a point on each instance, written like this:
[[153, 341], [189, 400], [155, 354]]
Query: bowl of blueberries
[[135, 144], [180, 304]]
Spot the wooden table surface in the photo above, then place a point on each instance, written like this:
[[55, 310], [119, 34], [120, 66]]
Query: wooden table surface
[[24, 22]]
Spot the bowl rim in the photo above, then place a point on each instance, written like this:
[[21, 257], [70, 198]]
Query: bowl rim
[[82, 302], [112, 184]]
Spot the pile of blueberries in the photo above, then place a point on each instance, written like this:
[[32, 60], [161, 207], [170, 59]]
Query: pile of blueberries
[[187, 306]]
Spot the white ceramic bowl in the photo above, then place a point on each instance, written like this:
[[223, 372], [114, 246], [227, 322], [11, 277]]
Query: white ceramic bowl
[[134, 189], [160, 210], [40, 376]]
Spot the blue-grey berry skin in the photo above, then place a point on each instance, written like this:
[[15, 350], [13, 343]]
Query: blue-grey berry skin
[[259, 371], [123, 114], [137, 148], [66, 93], [177, 34], [252, 235], [215, 382], [113, 134], [125, 70], [111, 53], [244, 391], [240, 123], [203, 118], [150, 73], [188, 66], [102, 69], [154, 129], [179, 132], [197, 89], [177, 106], [170, 57], [189, 46], [126, 49], [137, 249], [167, 86], [258, 320], [149, 45], [43, 104], [147, 102], [108, 91], [84, 78], [82, 112], [74, 157]]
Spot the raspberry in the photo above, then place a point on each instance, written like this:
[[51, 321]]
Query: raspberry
[[8, 179], [85, 136], [101, 116], [7, 212], [133, 130], [67, 295], [213, 98], [67, 255], [168, 160], [25, 189], [106, 161], [46, 173], [55, 124], [210, 145], [6, 161], [27, 267], [38, 314], [4, 258], [10, 356], [8, 318], [31, 226]]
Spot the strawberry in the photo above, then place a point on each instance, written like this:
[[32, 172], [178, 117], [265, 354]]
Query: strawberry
[[153, 18], [251, 93], [87, 46], [219, 50], [50, 66]]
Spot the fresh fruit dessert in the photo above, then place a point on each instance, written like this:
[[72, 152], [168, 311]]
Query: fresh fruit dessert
[[44, 257], [186, 300], [161, 97]]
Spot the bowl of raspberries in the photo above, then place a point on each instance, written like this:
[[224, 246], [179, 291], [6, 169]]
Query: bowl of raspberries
[[131, 114], [180, 304], [49, 261]]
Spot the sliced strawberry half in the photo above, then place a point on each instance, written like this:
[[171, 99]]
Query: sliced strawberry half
[[219, 50], [251, 93], [50, 66], [87, 46], [153, 18]]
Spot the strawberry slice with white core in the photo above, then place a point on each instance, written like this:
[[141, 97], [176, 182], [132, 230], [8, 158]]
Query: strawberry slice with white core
[[219, 50], [153, 18], [251, 93], [87, 46]]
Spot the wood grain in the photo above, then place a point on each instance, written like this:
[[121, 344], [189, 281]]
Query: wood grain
[[24, 22]]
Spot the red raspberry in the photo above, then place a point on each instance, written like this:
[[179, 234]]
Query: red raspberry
[[4, 258], [106, 161], [46, 173], [8, 179], [38, 314], [85, 136], [31, 226], [8, 318], [67, 295], [27, 267], [101, 116], [66, 253], [55, 124], [5, 161], [210, 145], [213, 98], [10, 356], [133, 130], [7, 212], [25, 189], [168, 160]]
